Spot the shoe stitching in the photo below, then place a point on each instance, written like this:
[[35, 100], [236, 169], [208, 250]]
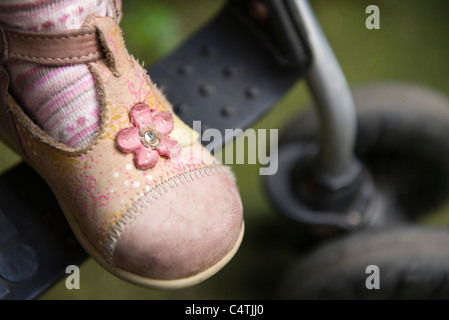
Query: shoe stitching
[[151, 195], [37, 37], [55, 59]]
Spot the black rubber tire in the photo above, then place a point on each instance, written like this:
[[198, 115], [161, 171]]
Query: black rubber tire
[[403, 138], [413, 264]]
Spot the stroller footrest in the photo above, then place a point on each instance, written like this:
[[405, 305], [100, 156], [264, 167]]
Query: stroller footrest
[[224, 76]]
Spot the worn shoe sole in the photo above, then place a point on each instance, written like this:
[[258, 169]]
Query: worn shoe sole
[[141, 280]]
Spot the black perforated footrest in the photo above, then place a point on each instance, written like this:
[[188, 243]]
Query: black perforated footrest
[[224, 76], [36, 243]]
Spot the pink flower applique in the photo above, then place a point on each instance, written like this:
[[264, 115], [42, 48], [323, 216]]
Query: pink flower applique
[[148, 138]]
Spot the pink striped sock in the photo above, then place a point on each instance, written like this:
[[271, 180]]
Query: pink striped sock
[[62, 100]]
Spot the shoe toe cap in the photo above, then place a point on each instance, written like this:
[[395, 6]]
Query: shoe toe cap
[[186, 231]]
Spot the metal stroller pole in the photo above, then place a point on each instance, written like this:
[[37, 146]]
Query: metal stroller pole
[[323, 183], [333, 99]]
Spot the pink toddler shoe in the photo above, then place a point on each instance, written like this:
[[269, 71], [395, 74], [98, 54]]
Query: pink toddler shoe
[[144, 198]]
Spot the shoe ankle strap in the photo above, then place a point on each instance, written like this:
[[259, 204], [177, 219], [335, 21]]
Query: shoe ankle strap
[[50, 48]]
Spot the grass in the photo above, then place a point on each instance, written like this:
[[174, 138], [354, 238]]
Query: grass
[[410, 46]]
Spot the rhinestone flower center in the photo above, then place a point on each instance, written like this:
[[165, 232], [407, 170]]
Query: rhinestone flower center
[[150, 137]]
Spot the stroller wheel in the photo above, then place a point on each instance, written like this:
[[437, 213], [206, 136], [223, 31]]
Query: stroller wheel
[[401, 140], [412, 264]]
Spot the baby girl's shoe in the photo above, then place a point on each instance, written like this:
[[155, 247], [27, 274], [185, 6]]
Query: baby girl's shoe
[[144, 198]]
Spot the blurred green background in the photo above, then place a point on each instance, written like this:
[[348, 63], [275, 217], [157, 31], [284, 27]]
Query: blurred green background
[[412, 45]]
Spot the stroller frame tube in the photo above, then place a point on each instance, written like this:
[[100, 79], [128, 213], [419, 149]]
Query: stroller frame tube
[[333, 99]]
